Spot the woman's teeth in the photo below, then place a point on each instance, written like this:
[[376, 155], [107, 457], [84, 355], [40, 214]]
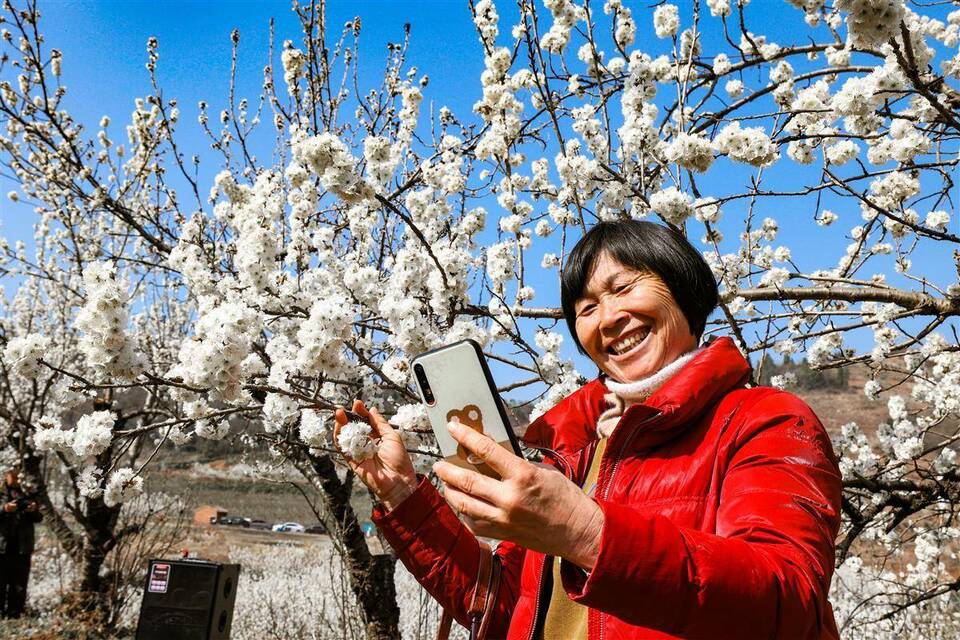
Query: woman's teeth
[[622, 347]]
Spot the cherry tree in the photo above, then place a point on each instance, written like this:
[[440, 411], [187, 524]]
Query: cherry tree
[[816, 175]]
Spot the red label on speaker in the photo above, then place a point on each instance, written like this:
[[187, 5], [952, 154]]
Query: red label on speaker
[[159, 578]]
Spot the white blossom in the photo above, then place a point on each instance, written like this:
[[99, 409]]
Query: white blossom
[[103, 321], [842, 152], [354, 440], [734, 88], [51, 436], [784, 380], [314, 429], [721, 64], [213, 357], [122, 485], [827, 218], [93, 434], [674, 205], [89, 482], [750, 145], [293, 61], [666, 20], [690, 151], [330, 159], [23, 354], [871, 23], [719, 8]]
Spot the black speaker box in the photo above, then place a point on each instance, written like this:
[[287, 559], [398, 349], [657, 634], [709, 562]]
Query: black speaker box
[[188, 600]]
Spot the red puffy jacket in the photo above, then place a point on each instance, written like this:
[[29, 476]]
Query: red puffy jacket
[[721, 506]]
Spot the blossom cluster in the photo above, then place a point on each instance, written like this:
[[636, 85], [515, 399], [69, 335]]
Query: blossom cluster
[[122, 485], [355, 442], [103, 321], [23, 354], [213, 357], [91, 436]]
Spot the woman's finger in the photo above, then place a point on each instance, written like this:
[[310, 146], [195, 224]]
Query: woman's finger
[[468, 505], [339, 419], [484, 447], [380, 426], [359, 407], [470, 482]]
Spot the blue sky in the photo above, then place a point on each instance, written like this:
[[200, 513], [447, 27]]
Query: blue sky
[[104, 47]]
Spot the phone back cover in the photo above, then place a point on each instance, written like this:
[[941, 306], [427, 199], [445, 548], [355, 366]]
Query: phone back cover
[[461, 392]]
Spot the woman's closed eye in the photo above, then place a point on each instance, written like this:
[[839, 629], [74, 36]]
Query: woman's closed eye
[[586, 309]]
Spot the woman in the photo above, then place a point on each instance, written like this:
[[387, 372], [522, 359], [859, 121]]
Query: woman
[[690, 506]]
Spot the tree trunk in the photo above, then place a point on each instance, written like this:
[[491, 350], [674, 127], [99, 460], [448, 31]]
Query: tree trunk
[[33, 478], [99, 524], [371, 577]]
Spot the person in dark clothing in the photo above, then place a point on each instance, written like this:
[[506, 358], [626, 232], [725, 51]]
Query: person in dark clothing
[[18, 517]]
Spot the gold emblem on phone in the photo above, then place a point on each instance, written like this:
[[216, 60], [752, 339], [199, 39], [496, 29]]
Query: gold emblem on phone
[[470, 416]]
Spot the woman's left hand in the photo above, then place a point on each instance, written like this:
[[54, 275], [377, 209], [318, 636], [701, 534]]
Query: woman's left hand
[[535, 507]]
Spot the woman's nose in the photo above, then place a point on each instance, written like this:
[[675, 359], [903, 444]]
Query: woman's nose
[[611, 314]]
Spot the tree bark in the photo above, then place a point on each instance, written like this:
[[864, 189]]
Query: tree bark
[[371, 577], [34, 479], [99, 523]]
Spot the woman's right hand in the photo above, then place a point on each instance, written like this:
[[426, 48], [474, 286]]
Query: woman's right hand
[[389, 472]]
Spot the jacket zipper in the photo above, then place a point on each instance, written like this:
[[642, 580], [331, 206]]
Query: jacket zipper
[[616, 463], [568, 472], [606, 489]]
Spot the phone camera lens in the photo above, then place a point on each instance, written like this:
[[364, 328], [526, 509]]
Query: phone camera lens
[[423, 383]]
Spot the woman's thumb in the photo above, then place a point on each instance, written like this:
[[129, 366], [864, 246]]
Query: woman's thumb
[[382, 426]]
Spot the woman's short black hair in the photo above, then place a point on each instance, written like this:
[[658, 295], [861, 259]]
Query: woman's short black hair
[[644, 246]]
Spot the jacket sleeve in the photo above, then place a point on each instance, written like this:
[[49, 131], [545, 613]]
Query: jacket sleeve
[[444, 555], [764, 574]]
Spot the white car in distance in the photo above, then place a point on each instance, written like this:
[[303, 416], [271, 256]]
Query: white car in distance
[[290, 527]]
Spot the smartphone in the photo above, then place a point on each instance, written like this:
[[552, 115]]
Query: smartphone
[[455, 384]]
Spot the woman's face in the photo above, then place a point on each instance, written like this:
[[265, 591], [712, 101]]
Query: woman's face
[[628, 322]]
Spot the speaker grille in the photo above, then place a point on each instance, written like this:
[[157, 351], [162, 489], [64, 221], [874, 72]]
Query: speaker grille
[[187, 600]]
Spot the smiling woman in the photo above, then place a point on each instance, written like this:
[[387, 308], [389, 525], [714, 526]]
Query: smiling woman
[[690, 504], [636, 296]]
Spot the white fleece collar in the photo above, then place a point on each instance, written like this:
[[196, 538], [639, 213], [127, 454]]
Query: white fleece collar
[[623, 394]]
